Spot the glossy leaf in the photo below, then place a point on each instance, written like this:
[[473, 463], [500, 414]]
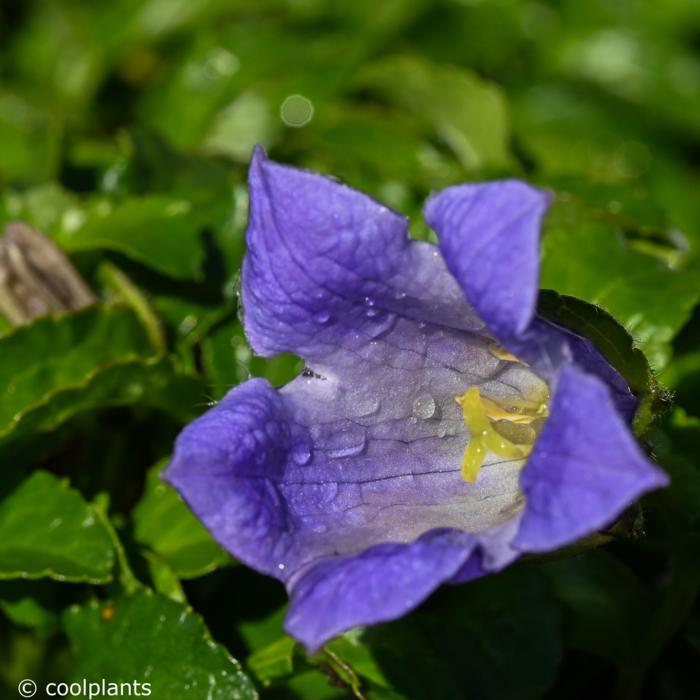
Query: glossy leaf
[[651, 300], [157, 231], [468, 113], [155, 640], [47, 529], [98, 357]]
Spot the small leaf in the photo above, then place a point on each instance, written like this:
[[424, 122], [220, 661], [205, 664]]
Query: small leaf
[[616, 344], [59, 366], [275, 661], [160, 232], [155, 640], [468, 113], [651, 300], [46, 529], [164, 523], [603, 603]]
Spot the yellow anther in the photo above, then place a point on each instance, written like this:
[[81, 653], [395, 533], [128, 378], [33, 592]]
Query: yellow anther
[[479, 414], [502, 354], [496, 412]]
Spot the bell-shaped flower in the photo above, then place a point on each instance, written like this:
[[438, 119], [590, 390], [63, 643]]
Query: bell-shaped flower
[[440, 430]]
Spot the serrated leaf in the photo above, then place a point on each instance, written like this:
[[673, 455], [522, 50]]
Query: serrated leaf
[[154, 640], [616, 344], [47, 529], [158, 231], [59, 365], [164, 523], [468, 113], [651, 300]]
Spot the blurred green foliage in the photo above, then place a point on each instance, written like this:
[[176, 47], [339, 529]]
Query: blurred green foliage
[[125, 130]]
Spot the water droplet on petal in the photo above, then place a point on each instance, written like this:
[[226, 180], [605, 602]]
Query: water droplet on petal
[[382, 325], [348, 444], [365, 406], [369, 301], [371, 313], [442, 431], [424, 407], [322, 316], [301, 454]]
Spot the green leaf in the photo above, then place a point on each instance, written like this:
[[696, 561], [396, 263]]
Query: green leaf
[[614, 342], [47, 365], [603, 602], [101, 356], [47, 529], [158, 231], [42, 207], [28, 612], [163, 578], [274, 661], [468, 113], [651, 300], [155, 640], [497, 637], [29, 139], [164, 523], [155, 382]]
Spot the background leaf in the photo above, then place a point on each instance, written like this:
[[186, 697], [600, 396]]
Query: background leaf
[[46, 529], [155, 640]]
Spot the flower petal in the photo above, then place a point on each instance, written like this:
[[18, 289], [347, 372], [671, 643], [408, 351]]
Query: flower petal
[[585, 469], [489, 236], [323, 258], [379, 584], [226, 464]]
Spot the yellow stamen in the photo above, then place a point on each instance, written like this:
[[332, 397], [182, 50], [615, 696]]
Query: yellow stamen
[[479, 414], [502, 354]]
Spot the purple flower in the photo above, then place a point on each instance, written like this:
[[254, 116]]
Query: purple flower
[[441, 428]]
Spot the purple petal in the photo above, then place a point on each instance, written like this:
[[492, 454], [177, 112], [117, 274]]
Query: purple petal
[[323, 259], [585, 469], [226, 465], [379, 584], [489, 236]]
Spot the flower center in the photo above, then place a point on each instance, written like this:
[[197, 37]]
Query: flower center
[[507, 427]]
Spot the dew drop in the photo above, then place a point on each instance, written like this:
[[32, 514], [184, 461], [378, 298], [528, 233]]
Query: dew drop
[[382, 326], [322, 317], [442, 431], [348, 444], [280, 566], [369, 301], [424, 407], [365, 406], [301, 454], [371, 313]]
